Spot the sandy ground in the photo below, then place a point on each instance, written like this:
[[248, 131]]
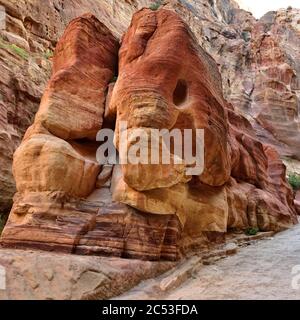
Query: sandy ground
[[260, 271]]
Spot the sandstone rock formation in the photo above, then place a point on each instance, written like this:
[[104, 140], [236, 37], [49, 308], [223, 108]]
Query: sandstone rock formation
[[67, 202], [274, 65], [150, 105], [66, 171], [261, 85], [22, 82], [259, 64], [26, 45]]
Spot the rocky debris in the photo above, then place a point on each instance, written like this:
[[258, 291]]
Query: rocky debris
[[38, 275], [153, 211]]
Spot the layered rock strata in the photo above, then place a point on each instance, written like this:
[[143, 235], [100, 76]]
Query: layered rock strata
[[67, 202], [258, 61]]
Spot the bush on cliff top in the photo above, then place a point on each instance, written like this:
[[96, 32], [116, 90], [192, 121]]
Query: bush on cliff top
[[294, 180], [155, 6]]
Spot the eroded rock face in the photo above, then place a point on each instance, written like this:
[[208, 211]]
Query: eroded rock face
[[275, 97], [170, 92], [263, 86], [22, 82], [67, 202], [259, 64], [50, 211], [71, 109], [26, 45], [40, 25]]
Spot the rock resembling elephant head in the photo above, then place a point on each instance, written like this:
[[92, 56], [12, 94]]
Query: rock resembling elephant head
[[166, 81], [67, 202]]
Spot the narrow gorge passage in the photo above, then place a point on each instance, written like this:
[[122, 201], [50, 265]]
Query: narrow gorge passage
[[260, 271], [267, 269]]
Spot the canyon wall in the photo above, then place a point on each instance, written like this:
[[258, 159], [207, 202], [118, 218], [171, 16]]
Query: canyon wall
[[259, 66], [66, 201], [242, 47], [26, 46]]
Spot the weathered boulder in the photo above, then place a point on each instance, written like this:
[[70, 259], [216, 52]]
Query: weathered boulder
[[32, 29], [50, 211], [71, 109], [232, 36], [151, 103], [67, 202], [170, 92]]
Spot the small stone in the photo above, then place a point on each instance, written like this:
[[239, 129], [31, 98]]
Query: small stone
[[231, 248]]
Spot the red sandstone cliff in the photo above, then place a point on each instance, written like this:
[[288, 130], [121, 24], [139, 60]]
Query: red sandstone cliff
[[259, 66], [146, 211]]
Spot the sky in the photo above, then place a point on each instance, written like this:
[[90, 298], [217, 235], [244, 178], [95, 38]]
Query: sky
[[260, 7]]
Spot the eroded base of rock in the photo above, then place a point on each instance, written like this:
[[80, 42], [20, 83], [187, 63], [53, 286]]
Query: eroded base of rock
[[91, 228]]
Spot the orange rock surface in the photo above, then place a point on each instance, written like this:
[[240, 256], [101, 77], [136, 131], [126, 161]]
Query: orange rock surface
[[258, 61], [67, 202]]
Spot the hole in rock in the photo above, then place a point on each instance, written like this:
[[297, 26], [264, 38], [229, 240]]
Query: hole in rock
[[180, 93], [85, 147]]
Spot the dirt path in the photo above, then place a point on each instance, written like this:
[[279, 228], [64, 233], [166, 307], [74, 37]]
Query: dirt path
[[262, 270]]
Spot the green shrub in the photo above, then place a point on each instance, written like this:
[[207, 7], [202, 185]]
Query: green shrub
[[155, 6], [48, 54], [19, 51], [251, 231], [246, 36], [14, 48], [294, 180]]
